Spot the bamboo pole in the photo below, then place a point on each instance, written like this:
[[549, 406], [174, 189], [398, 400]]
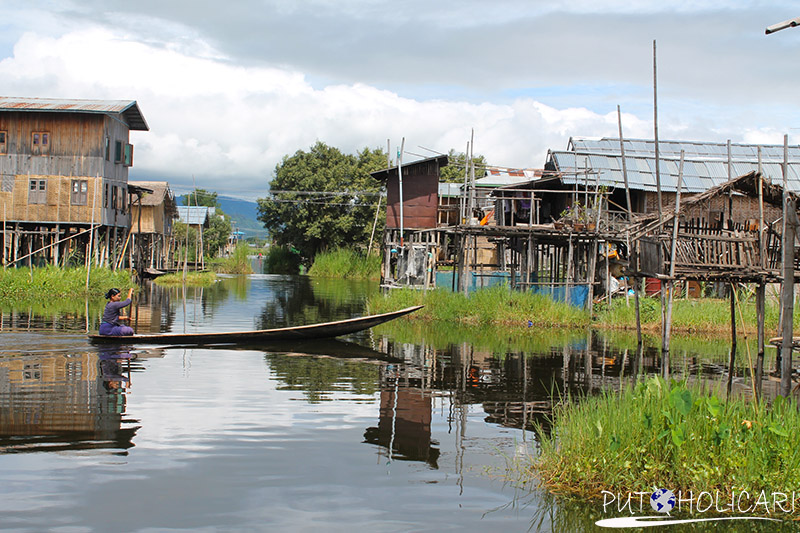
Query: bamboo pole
[[667, 323], [787, 294], [655, 130], [91, 236]]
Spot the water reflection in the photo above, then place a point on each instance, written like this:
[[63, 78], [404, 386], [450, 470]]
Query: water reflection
[[65, 401], [404, 420]]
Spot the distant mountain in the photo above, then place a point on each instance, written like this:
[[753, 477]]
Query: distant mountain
[[243, 213]]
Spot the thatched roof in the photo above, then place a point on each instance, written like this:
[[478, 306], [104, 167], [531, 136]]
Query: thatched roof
[[161, 194]]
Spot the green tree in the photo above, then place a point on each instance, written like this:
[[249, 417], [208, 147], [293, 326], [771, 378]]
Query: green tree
[[456, 163], [219, 230], [201, 197], [298, 214]]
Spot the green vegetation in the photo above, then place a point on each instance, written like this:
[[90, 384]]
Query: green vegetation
[[297, 215], [456, 167], [45, 286], [215, 236], [194, 279], [346, 263], [281, 260], [495, 305], [669, 435], [237, 263], [701, 315], [501, 306]]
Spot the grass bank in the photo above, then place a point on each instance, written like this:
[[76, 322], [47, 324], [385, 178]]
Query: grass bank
[[193, 279], [495, 305], [503, 307], [345, 263], [237, 263], [20, 287], [669, 435]]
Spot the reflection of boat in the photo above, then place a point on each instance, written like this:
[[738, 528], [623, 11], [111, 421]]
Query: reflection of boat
[[333, 348], [310, 331]]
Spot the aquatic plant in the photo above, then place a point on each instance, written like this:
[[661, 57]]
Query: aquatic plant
[[346, 263], [669, 434], [21, 287]]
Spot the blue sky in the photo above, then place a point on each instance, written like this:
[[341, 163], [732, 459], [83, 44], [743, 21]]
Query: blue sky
[[230, 88]]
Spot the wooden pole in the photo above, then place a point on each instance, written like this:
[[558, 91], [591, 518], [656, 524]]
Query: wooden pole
[[655, 131], [400, 184], [624, 165], [787, 293], [667, 325], [760, 314], [374, 225], [91, 237], [732, 359]]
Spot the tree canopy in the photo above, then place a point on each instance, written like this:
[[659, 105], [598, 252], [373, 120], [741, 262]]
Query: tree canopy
[[454, 171], [201, 197], [300, 214]]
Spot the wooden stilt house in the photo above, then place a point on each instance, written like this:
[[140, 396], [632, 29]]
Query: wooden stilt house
[[152, 215], [64, 179]]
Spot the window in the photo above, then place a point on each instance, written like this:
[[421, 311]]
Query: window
[[114, 197], [3, 142], [105, 196], [80, 192], [117, 152], [108, 149], [40, 143], [127, 156], [37, 191]]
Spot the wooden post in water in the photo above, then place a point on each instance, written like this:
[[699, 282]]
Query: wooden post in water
[[733, 339], [760, 314], [667, 324], [787, 292]]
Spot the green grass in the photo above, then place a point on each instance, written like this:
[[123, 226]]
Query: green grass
[[495, 305], [237, 263], [669, 435], [23, 287], [346, 263], [193, 279], [701, 315]]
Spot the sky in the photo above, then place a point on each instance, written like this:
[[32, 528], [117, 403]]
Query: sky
[[230, 88]]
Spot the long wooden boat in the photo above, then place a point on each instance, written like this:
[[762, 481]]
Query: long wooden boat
[[310, 331]]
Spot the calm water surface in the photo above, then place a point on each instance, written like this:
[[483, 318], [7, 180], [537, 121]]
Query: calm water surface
[[365, 433]]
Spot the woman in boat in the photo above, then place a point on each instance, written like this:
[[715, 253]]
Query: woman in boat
[[111, 317]]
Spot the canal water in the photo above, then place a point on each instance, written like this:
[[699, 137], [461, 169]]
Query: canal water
[[405, 427]]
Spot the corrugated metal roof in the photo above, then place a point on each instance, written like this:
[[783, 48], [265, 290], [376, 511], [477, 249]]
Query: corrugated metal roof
[[449, 189], [193, 215], [705, 163], [129, 109]]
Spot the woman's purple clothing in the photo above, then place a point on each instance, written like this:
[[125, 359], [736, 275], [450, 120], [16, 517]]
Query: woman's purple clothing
[[110, 324]]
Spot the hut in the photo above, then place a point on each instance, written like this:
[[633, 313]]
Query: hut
[[64, 178], [152, 216]]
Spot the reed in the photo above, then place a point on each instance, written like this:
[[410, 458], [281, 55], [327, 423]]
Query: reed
[[22, 287], [346, 263], [237, 263], [493, 305], [193, 279], [670, 435]]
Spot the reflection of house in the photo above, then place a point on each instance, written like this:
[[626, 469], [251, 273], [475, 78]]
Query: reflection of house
[[404, 427], [151, 223], [197, 217], [63, 401], [63, 173]]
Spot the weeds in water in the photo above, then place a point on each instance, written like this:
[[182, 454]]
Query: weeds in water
[[347, 264], [660, 434], [22, 287], [193, 279], [237, 263]]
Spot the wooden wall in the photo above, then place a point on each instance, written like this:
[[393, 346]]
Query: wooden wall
[[80, 147]]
